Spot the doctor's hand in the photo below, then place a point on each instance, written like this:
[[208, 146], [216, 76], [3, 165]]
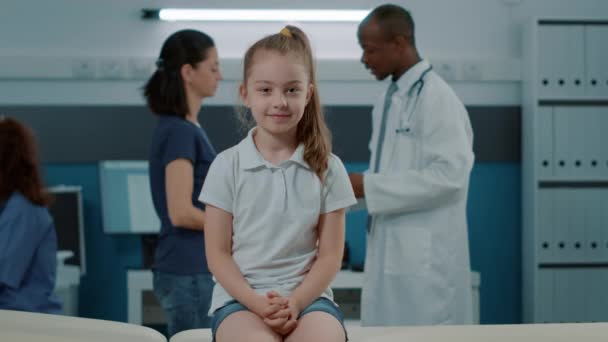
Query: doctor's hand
[[356, 180], [283, 321]]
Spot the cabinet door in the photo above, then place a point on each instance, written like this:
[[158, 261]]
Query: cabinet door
[[602, 114], [593, 225], [576, 233], [545, 296], [594, 150], [577, 139], [597, 300], [562, 296], [596, 59], [546, 245], [566, 139], [603, 252], [561, 219], [561, 61], [544, 143]]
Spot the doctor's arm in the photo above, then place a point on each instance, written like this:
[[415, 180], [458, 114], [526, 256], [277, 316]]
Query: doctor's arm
[[447, 159], [356, 180]]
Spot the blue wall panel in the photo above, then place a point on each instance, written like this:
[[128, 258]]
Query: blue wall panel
[[103, 290], [494, 213]]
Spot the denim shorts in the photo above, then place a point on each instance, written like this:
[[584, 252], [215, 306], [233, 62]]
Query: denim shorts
[[185, 299], [321, 304]]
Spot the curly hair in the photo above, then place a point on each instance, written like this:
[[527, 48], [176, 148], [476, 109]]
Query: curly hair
[[19, 166]]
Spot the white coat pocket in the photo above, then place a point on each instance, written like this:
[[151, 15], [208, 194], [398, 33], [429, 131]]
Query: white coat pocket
[[405, 150], [408, 251]]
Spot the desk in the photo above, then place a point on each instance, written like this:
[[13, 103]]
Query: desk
[[138, 281]]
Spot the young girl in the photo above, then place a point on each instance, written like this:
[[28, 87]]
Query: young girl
[[275, 206], [180, 155]]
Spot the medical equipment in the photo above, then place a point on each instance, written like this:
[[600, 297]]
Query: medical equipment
[[406, 128]]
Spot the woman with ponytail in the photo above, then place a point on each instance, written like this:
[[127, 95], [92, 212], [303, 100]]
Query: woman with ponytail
[[180, 155], [275, 206]]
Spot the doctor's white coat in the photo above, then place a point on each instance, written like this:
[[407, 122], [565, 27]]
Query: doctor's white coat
[[417, 269]]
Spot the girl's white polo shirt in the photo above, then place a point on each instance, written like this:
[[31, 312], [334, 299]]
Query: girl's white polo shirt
[[275, 211]]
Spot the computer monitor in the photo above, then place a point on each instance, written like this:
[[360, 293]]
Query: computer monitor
[[66, 210], [126, 198]]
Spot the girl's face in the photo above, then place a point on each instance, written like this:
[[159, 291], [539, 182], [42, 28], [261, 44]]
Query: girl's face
[[276, 91], [204, 77]]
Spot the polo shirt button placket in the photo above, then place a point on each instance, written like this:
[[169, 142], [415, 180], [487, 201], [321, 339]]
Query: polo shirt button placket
[[284, 187]]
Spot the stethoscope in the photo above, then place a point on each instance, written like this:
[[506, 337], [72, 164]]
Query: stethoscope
[[406, 128]]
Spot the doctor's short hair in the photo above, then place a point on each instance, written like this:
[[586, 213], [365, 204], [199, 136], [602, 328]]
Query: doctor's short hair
[[394, 20], [164, 92], [19, 165]]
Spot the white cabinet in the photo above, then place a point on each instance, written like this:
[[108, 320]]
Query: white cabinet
[[565, 170]]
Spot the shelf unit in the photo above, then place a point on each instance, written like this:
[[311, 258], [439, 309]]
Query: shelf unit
[[565, 170]]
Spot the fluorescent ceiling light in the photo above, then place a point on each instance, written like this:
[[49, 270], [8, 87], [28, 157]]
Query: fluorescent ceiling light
[[178, 14]]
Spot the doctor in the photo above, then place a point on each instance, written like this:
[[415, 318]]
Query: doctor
[[417, 265]]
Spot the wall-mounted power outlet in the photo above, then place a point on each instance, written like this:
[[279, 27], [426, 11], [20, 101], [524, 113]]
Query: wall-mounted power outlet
[[472, 71], [141, 68], [84, 68], [112, 68], [448, 71]]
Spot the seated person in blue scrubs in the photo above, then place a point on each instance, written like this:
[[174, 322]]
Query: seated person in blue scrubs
[[28, 243]]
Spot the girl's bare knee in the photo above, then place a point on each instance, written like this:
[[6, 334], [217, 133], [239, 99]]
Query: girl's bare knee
[[245, 326], [319, 327]]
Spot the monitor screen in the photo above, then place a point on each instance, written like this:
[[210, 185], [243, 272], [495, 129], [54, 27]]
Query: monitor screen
[[66, 210], [126, 198]]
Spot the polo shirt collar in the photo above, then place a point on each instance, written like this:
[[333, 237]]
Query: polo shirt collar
[[251, 158]]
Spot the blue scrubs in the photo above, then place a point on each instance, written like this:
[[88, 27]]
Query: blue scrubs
[[28, 257]]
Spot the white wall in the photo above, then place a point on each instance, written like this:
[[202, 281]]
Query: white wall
[[41, 41]]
